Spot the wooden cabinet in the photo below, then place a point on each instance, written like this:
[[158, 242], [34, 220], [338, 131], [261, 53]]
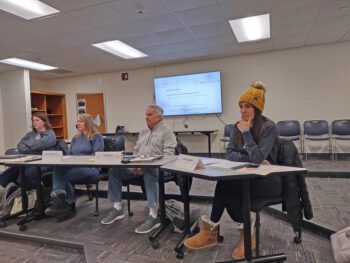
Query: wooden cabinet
[[54, 105]]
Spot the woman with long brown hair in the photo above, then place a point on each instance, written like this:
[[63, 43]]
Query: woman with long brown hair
[[40, 138], [254, 139]]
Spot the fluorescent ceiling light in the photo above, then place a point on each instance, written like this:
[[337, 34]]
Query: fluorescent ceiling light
[[27, 64], [28, 9], [251, 28], [120, 49]]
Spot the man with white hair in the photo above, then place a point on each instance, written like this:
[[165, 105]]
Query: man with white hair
[[156, 139]]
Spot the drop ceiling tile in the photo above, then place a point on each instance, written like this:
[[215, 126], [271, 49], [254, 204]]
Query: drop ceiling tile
[[61, 23], [171, 48], [91, 36], [142, 41], [289, 41], [223, 40], [67, 5], [334, 9], [173, 36], [280, 29], [99, 15], [295, 15], [131, 9], [25, 30], [180, 5], [277, 5], [213, 29], [242, 8], [201, 15]]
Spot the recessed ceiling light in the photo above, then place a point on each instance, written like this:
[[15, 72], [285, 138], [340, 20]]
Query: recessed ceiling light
[[251, 28], [28, 9], [27, 64], [120, 49]]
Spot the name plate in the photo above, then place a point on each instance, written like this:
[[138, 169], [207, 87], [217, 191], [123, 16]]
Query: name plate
[[108, 157], [52, 156], [189, 163]]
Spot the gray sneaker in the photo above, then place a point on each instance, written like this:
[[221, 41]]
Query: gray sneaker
[[113, 215], [150, 224]]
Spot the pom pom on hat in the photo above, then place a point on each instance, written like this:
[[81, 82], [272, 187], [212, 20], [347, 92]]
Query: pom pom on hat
[[255, 95]]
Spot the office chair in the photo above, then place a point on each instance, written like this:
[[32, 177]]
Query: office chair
[[293, 188], [290, 129], [340, 132], [228, 129], [316, 130]]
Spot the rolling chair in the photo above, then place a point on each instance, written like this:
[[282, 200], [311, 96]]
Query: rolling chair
[[290, 129], [316, 130], [227, 134], [293, 189], [340, 132]]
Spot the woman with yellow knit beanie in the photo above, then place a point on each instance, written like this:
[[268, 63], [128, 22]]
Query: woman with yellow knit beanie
[[254, 139]]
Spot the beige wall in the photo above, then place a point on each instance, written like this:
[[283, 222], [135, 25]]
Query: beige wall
[[303, 84], [15, 104]]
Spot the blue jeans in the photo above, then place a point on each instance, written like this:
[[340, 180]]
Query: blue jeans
[[150, 178], [64, 177]]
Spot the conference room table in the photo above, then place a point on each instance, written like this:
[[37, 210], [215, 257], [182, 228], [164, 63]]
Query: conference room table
[[243, 174], [85, 161]]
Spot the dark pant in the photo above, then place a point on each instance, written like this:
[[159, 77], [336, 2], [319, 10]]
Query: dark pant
[[228, 194], [32, 176]]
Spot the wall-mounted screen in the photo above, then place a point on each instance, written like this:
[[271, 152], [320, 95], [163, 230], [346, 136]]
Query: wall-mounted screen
[[189, 94]]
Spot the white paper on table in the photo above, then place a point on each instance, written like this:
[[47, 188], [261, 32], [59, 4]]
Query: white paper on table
[[108, 157], [52, 156], [189, 163], [225, 164]]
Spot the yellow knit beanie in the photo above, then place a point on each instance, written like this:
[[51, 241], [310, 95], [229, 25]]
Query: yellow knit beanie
[[254, 95]]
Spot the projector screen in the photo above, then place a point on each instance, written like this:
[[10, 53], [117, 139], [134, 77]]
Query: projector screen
[[189, 94]]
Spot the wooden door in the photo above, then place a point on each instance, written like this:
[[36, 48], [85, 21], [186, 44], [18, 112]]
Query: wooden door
[[93, 104]]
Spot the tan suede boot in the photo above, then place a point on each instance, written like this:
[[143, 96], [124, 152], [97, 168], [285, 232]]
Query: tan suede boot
[[238, 251], [207, 236]]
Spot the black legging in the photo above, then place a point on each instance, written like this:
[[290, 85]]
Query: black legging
[[228, 194]]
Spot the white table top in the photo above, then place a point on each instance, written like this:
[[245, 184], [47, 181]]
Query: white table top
[[214, 174], [86, 161]]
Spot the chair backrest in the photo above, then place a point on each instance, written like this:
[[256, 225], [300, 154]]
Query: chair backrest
[[288, 128], [288, 154], [61, 145], [119, 130], [11, 151], [341, 127], [180, 148], [228, 130], [316, 127], [114, 143]]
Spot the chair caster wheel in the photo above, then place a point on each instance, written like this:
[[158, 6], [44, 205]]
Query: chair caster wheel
[[155, 244], [221, 238], [3, 224], [297, 240], [131, 213], [180, 255], [22, 228], [95, 213]]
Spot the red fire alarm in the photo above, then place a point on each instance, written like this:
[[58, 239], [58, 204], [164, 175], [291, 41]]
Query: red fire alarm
[[125, 76]]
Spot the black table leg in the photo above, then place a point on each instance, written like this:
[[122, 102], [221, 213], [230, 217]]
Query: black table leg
[[163, 219], [246, 220]]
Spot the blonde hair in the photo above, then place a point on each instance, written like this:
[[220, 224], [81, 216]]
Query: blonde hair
[[90, 125]]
